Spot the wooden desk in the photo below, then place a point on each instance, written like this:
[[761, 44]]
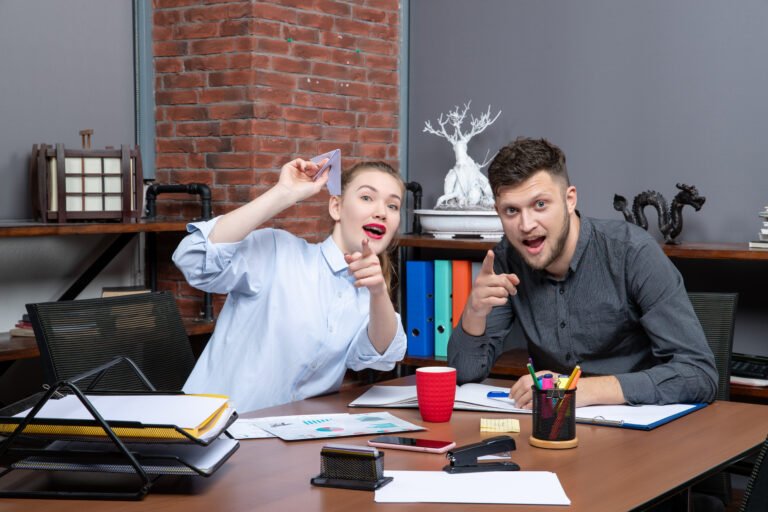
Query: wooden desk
[[611, 469]]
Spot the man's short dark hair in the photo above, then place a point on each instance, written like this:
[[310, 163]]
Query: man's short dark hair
[[521, 159]]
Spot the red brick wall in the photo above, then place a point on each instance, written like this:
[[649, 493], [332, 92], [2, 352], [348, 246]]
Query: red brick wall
[[242, 87]]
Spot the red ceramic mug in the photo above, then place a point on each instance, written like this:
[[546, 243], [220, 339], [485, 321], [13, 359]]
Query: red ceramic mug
[[436, 391]]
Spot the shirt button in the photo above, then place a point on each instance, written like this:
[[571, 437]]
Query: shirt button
[[314, 366], [562, 325], [330, 329], [562, 291], [568, 357], [338, 295]]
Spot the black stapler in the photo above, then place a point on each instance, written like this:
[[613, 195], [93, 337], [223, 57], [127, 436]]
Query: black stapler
[[464, 458]]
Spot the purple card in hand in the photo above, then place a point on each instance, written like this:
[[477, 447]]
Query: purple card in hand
[[334, 166]]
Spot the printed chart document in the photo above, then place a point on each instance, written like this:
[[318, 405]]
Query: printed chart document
[[469, 397], [246, 428], [320, 426], [510, 487]]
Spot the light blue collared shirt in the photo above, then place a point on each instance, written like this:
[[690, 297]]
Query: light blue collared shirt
[[293, 321]]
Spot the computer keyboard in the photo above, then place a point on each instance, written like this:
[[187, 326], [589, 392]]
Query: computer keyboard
[[754, 367]]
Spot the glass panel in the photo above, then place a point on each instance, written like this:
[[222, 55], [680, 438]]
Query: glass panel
[[93, 184], [74, 203], [93, 203], [53, 199], [92, 165], [74, 185], [73, 165], [111, 166], [112, 185], [113, 203]]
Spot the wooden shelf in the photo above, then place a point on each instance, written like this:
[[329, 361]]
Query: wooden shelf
[[28, 228], [17, 347], [687, 250], [430, 242], [712, 251]]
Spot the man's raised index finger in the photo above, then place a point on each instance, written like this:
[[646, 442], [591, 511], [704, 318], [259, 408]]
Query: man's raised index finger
[[487, 267]]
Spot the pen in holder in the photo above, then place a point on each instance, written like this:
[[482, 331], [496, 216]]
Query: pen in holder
[[554, 418], [351, 467]]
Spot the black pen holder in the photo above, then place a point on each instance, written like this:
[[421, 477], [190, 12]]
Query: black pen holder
[[554, 418], [357, 468]]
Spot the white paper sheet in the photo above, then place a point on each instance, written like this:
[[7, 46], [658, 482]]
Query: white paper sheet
[[246, 428], [185, 411], [501, 487]]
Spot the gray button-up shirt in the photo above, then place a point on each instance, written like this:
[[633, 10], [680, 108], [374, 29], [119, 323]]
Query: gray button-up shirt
[[621, 310]]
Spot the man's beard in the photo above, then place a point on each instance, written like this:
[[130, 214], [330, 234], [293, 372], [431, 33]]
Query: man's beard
[[557, 249]]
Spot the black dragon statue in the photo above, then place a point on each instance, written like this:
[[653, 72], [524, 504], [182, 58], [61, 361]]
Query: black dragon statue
[[670, 219]]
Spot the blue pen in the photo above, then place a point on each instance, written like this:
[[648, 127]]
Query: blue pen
[[498, 394]]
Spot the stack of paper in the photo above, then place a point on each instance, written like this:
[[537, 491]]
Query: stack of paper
[[148, 416], [167, 433]]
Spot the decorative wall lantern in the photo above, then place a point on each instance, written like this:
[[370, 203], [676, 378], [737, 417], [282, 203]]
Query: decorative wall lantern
[[86, 184]]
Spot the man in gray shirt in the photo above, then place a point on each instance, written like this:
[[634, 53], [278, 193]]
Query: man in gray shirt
[[598, 293]]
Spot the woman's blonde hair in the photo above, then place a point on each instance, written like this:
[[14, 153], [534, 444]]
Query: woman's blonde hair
[[385, 257]]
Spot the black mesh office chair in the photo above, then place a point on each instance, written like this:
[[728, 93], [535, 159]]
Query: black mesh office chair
[[756, 495], [79, 335], [717, 314]]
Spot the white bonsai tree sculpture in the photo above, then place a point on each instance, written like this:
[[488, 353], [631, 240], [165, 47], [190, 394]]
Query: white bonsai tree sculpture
[[465, 187]]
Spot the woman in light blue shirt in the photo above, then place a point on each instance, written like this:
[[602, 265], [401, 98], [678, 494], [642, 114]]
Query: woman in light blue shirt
[[298, 314]]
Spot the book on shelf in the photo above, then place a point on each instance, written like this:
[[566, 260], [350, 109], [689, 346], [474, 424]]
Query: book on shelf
[[758, 244], [24, 332], [22, 328]]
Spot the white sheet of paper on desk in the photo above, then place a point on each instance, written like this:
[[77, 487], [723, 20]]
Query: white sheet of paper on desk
[[246, 428], [501, 487]]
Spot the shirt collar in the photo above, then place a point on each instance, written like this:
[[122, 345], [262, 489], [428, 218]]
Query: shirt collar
[[333, 255], [585, 233]]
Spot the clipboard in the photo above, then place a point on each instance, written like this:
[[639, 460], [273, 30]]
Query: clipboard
[[637, 417]]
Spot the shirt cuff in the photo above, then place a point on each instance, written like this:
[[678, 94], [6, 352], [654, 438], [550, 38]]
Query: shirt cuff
[[638, 388], [368, 357], [217, 256]]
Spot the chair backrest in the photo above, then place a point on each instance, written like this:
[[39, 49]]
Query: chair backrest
[[78, 335], [717, 314], [756, 494]]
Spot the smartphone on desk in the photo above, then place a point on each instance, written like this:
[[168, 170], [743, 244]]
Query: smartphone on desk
[[413, 444]]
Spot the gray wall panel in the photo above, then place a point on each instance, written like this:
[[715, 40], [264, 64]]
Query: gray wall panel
[[640, 95], [64, 66]]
